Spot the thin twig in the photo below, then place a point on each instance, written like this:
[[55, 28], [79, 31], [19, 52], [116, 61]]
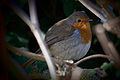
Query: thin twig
[[37, 33], [27, 54], [107, 10], [31, 55], [27, 63], [91, 57], [93, 8], [113, 23], [107, 45], [115, 54], [113, 26]]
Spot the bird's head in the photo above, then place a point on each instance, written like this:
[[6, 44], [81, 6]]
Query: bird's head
[[80, 21]]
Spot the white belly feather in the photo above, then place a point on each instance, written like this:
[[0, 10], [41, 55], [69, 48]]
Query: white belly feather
[[71, 48]]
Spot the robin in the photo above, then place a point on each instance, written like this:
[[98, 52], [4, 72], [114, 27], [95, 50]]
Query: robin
[[70, 38]]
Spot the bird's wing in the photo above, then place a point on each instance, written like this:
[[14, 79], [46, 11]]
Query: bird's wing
[[58, 32]]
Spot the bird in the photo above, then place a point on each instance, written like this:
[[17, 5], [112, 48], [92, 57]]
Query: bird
[[70, 38]]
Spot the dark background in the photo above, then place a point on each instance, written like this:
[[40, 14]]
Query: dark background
[[50, 12]]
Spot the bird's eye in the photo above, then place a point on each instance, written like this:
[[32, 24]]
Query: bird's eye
[[78, 20]]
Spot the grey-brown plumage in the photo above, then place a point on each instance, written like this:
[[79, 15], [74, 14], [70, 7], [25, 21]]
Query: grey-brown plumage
[[65, 41], [65, 38]]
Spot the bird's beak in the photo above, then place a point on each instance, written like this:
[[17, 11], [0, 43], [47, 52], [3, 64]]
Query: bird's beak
[[88, 20]]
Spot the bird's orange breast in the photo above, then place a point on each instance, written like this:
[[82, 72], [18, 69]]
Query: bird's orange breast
[[84, 28], [70, 48]]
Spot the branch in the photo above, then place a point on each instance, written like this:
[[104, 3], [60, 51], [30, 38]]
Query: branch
[[37, 33], [91, 57], [113, 23], [94, 9], [27, 63], [113, 26], [34, 26], [28, 54], [107, 45], [104, 5]]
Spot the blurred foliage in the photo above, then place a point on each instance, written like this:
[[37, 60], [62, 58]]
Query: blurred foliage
[[112, 73], [49, 12]]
